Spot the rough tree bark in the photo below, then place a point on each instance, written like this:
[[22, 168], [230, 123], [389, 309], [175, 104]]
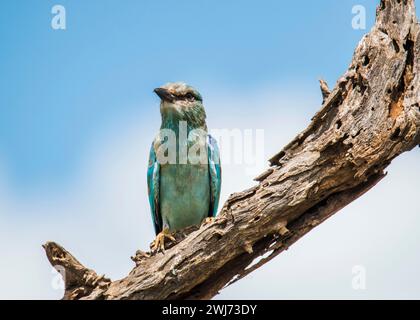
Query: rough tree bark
[[370, 117]]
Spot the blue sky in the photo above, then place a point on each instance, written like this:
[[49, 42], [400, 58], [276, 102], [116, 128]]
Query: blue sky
[[62, 88], [78, 114]]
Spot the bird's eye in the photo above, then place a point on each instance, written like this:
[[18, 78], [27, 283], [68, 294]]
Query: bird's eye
[[189, 96]]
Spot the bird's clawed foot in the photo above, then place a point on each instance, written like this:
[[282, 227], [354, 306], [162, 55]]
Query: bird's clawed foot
[[159, 242], [207, 221]]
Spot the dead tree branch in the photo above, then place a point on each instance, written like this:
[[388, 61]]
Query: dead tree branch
[[369, 118]]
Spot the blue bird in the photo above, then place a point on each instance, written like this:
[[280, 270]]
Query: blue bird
[[184, 172]]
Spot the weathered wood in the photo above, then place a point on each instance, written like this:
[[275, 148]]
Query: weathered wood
[[79, 281], [324, 90], [369, 118]]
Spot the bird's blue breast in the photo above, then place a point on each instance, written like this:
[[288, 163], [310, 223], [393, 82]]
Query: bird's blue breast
[[184, 194]]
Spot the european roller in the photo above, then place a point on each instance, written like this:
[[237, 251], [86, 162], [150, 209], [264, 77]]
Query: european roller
[[184, 172]]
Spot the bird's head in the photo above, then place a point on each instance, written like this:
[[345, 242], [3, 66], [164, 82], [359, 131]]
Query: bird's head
[[181, 102]]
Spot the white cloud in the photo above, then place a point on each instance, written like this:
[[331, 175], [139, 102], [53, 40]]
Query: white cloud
[[377, 231], [103, 216]]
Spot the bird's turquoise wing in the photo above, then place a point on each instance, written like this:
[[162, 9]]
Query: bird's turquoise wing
[[153, 180], [215, 171]]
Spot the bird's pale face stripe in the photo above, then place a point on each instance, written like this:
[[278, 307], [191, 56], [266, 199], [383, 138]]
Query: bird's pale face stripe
[[181, 90]]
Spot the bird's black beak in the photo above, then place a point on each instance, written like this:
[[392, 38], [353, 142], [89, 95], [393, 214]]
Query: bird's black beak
[[164, 94]]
